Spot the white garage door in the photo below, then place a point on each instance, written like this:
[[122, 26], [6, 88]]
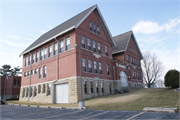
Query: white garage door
[[62, 93]]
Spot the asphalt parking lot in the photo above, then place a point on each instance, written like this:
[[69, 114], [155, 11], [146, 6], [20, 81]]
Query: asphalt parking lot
[[20, 112]]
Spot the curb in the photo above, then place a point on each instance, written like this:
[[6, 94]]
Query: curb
[[35, 106], [25, 105], [43, 107], [16, 105], [57, 107], [160, 109], [73, 108], [10, 104]]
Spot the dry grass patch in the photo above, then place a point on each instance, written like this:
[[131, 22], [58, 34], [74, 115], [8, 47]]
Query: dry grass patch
[[136, 100]]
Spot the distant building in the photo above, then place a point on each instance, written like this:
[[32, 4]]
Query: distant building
[[51, 64], [10, 88]]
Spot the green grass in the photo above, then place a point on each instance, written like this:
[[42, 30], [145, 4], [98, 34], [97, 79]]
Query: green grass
[[135, 100]]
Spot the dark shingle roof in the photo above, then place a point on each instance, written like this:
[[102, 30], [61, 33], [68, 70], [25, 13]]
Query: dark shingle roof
[[60, 28], [121, 42]]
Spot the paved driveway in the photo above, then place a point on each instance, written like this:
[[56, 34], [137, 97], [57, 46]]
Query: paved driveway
[[19, 112]]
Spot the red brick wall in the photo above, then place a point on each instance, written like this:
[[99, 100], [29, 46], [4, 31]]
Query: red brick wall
[[10, 89]]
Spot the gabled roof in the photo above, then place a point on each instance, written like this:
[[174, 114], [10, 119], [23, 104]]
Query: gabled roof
[[122, 42], [65, 27]]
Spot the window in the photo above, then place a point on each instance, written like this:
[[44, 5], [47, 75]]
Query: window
[[95, 27], [89, 44], [90, 25], [95, 67], [29, 60], [50, 51], [127, 58], [27, 92], [37, 56], [92, 87], [35, 90], [84, 64], [30, 92], [39, 90], [44, 75], [18, 82], [108, 69], [42, 54], [85, 87], [98, 30], [26, 61], [110, 87], [131, 60], [33, 58], [97, 87], [28, 73], [25, 74], [90, 66], [36, 71], [61, 46], [40, 72], [102, 87], [45, 52], [100, 68], [14, 82], [23, 92], [83, 43], [67, 43], [106, 50], [131, 47], [99, 48], [133, 75], [44, 88], [32, 72], [55, 48], [94, 46], [49, 89]]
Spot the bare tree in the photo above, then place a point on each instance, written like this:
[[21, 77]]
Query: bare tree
[[152, 68]]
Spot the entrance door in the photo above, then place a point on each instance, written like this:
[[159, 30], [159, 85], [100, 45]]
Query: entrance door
[[62, 93]]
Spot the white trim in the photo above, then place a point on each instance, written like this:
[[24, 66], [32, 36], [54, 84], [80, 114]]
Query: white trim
[[128, 41], [72, 27], [77, 25], [137, 45], [106, 25], [96, 53], [118, 51]]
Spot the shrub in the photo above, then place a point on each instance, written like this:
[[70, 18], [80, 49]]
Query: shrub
[[171, 79]]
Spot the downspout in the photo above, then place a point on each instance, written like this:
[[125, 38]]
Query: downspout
[[52, 96], [114, 76], [29, 79]]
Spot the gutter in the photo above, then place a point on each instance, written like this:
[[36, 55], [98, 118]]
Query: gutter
[[52, 96], [29, 79]]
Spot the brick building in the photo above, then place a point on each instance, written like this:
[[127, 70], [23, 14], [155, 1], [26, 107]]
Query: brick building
[[10, 86], [51, 64]]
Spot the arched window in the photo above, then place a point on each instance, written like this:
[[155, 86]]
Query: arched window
[[123, 78]]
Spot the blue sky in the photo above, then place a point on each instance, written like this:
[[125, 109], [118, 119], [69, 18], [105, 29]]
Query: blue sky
[[155, 23]]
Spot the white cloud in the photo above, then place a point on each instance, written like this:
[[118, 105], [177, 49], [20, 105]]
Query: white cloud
[[13, 43], [149, 27], [13, 36]]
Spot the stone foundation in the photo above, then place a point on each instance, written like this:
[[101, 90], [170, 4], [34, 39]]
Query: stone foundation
[[74, 89]]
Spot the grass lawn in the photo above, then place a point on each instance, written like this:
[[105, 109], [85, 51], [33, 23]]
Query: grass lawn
[[135, 100]]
